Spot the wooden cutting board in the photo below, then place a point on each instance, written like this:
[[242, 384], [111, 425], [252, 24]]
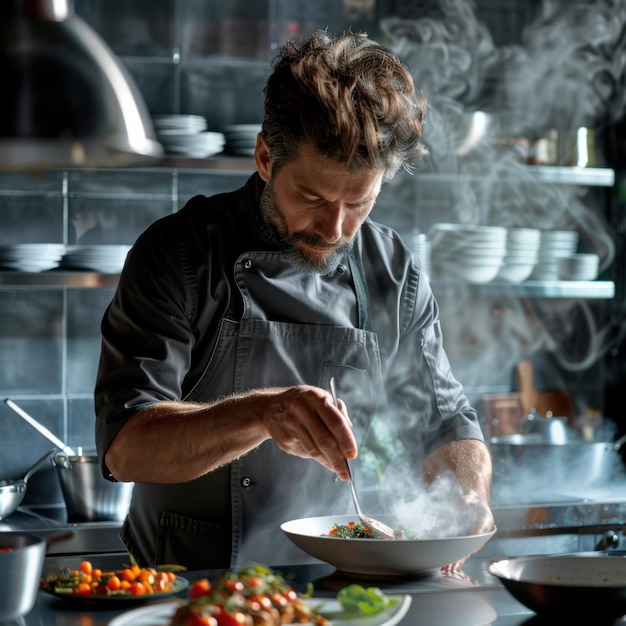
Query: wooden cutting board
[[553, 403]]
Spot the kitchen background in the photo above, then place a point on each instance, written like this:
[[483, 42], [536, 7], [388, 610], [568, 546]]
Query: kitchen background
[[535, 70]]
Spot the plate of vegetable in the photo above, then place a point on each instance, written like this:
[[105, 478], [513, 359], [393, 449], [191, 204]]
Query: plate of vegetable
[[258, 596], [342, 542], [88, 584]]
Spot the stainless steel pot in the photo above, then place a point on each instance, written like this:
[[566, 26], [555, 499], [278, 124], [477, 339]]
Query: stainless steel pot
[[88, 496], [22, 560], [570, 462], [12, 492]]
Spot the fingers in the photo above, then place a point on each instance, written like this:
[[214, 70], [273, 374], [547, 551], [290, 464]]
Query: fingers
[[304, 421]]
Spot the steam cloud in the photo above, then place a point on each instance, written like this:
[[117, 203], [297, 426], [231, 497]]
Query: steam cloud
[[568, 72]]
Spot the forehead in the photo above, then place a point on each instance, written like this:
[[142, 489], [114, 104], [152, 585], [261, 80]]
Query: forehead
[[313, 173]]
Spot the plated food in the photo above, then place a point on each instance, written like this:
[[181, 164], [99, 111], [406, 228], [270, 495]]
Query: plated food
[[390, 613], [357, 530], [251, 596], [88, 582], [379, 557]]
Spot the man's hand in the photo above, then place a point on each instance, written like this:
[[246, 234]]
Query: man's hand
[[304, 421]]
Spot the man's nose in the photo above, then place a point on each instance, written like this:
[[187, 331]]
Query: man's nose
[[329, 225]]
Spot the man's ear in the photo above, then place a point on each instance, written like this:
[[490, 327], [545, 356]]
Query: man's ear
[[262, 159]]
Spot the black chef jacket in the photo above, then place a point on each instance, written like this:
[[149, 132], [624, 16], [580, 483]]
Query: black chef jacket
[[206, 306]]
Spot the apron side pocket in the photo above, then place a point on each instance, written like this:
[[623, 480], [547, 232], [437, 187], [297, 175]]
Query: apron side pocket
[[193, 543]]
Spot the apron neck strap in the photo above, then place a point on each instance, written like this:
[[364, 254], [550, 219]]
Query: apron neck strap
[[360, 285]]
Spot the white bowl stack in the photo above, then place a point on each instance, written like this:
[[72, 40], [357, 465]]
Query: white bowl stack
[[107, 259], [555, 244], [187, 135], [581, 266], [241, 138], [469, 253], [31, 257], [522, 254]]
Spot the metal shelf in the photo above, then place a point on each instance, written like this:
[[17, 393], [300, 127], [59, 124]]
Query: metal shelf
[[594, 289], [584, 176], [56, 279]]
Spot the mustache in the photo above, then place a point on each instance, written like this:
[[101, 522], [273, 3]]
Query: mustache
[[318, 242]]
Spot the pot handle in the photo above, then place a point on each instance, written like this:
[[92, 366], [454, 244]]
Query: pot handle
[[620, 442], [60, 536], [61, 460]]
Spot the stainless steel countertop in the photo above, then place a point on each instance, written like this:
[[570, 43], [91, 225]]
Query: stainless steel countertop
[[94, 537], [471, 598]]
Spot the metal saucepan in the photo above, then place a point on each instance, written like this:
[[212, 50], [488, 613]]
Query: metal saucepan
[[574, 462], [12, 492], [88, 496], [22, 557], [592, 583]]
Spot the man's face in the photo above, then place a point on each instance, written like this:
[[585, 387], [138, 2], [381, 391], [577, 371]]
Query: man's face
[[316, 205]]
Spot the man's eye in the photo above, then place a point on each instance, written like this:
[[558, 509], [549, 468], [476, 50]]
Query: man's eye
[[313, 201]]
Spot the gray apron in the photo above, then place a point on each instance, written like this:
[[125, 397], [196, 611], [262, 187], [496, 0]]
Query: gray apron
[[253, 495]]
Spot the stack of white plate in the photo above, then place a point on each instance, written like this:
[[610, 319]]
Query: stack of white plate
[[555, 244], [108, 259], [522, 253], [187, 135], [581, 266], [241, 138], [469, 253], [31, 257]]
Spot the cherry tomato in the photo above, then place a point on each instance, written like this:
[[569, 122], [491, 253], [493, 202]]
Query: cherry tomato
[[290, 595], [161, 582], [113, 583], [199, 588], [233, 585], [200, 620], [138, 589], [83, 589], [129, 575], [86, 568], [236, 618]]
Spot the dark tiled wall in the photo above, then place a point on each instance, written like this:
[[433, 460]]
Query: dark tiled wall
[[49, 337]]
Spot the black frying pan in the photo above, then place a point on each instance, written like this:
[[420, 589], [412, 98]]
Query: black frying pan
[[573, 583]]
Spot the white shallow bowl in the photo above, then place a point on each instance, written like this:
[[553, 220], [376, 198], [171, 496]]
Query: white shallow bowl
[[579, 267], [515, 272], [477, 273], [378, 557], [592, 583]]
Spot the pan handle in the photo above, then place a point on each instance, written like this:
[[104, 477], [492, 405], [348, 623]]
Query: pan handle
[[620, 442], [42, 461]]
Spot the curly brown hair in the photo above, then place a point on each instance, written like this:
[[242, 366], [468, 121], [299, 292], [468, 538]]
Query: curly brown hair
[[350, 97]]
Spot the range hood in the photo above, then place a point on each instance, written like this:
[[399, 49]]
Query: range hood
[[66, 100]]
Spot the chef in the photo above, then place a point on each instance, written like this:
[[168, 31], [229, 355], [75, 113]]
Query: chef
[[232, 315]]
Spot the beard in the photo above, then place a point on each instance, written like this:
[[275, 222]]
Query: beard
[[304, 260]]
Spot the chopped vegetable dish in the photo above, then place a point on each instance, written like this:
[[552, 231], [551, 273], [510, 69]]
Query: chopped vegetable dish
[[88, 580], [356, 530], [251, 596]]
